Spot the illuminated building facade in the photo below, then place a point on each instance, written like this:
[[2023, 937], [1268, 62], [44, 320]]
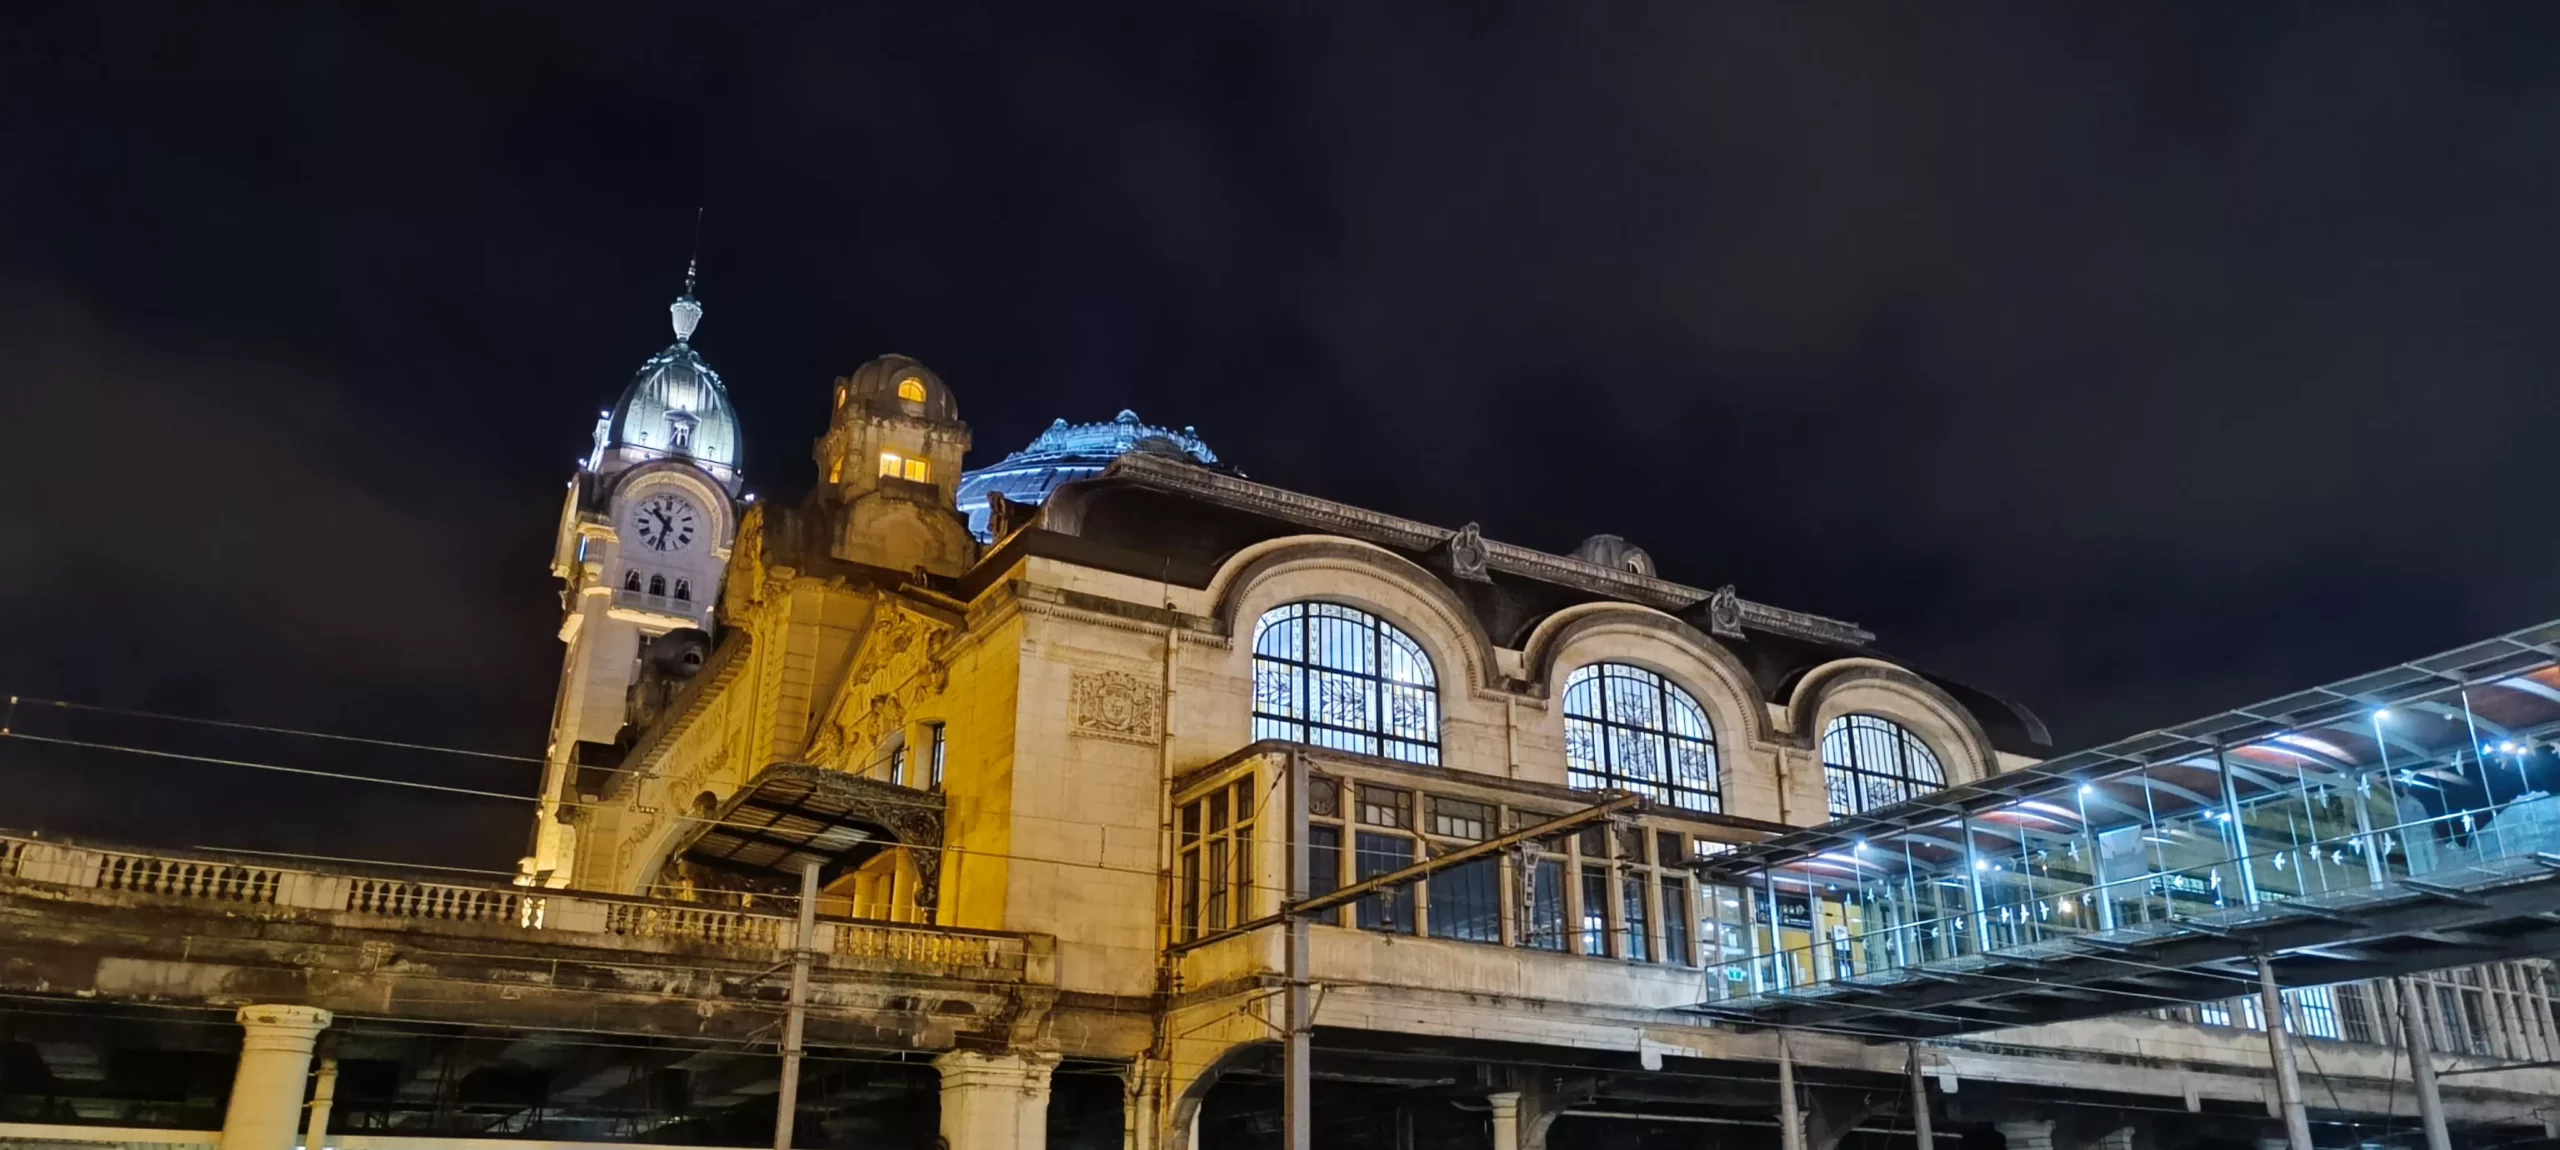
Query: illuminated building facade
[[1051, 733]]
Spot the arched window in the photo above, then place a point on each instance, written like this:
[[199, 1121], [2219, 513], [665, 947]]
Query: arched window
[[1626, 728], [1336, 676], [657, 586], [911, 389], [1868, 762], [631, 581], [684, 591]]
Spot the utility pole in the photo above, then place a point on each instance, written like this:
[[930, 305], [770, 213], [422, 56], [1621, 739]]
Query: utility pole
[[2422, 1064], [1298, 1116], [1921, 1137], [787, 1107], [1790, 1123], [2297, 1121], [324, 1093]]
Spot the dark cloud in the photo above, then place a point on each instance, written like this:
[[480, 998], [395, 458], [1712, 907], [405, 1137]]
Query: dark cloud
[[2133, 362]]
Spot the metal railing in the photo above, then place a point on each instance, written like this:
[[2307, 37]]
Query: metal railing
[[560, 914]]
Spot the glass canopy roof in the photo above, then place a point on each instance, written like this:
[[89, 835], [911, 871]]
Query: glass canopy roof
[[2313, 827]]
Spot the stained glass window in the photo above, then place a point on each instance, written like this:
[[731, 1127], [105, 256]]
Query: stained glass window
[[1336, 676], [1626, 728], [1869, 763]]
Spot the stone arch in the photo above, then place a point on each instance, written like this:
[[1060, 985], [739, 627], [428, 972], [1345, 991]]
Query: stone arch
[[1644, 637], [1874, 687], [1363, 575]]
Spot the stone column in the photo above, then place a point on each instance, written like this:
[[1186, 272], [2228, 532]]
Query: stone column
[[2120, 1138], [2026, 1133], [266, 1092], [995, 1101], [1506, 1119]]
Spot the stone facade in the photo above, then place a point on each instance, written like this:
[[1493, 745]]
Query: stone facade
[[1093, 672]]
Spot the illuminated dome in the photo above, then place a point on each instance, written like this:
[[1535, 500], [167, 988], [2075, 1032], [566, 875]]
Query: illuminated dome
[[1068, 452], [676, 407]]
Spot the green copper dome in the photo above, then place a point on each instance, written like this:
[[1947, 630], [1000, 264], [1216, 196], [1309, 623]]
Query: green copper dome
[[676, 406]]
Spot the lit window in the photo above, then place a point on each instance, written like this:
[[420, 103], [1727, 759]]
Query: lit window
[[916, 470], [911, 389], [1626, 728], [891, 464], [1869, 763], [835, 471], [1339, 677]]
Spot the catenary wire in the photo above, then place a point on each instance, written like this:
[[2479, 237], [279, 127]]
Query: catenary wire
[[511, 797]]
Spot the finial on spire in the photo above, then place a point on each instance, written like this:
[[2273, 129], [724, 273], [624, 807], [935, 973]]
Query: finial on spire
[[686, 312]]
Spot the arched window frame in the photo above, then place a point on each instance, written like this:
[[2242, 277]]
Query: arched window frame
[[657, 586], [1630, 729], [1384, 692], [1870, 762]]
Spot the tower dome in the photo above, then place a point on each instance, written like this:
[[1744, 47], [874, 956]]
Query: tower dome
[[1067, 452], [676, 407]]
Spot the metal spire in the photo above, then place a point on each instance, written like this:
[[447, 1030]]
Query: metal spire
[[686, 312]]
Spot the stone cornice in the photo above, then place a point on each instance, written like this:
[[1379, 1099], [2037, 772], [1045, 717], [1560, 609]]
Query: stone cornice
[[1394, 531]]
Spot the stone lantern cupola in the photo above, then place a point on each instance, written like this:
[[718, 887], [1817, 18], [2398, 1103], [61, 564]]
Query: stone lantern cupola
[[890, 465]]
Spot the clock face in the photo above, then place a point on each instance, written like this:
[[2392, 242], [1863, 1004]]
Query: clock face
[[665, 522]]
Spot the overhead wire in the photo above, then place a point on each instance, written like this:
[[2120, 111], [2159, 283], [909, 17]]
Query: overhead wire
[[470, 792]]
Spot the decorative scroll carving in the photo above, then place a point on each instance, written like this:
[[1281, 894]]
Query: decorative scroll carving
[[896, 670], [1724, 613], [1467, 554], [1115, 705]]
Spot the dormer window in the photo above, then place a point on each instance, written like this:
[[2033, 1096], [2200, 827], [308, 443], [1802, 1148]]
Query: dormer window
[[911, 389], [680, 425], [896, 466]]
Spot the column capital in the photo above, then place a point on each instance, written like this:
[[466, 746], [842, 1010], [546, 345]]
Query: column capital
[[2026, 1133], [1021, 1069], [310, 1018]]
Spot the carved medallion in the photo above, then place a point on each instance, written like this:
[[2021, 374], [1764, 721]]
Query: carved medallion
[[1115, 705]]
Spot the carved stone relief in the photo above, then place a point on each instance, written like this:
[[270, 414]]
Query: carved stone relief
[[1115, 705]]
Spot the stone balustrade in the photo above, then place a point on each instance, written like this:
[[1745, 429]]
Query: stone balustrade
[[561, 914]]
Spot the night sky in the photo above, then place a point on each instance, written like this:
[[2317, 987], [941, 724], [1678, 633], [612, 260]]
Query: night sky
[[2132, 361]]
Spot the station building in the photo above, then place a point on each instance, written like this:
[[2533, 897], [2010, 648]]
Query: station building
[[1035, 728]]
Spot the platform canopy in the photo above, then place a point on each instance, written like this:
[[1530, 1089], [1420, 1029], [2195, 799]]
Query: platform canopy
[[2398, 821], [793, 814]]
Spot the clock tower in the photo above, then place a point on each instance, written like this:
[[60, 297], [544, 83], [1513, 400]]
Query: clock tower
[[644, 538]]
